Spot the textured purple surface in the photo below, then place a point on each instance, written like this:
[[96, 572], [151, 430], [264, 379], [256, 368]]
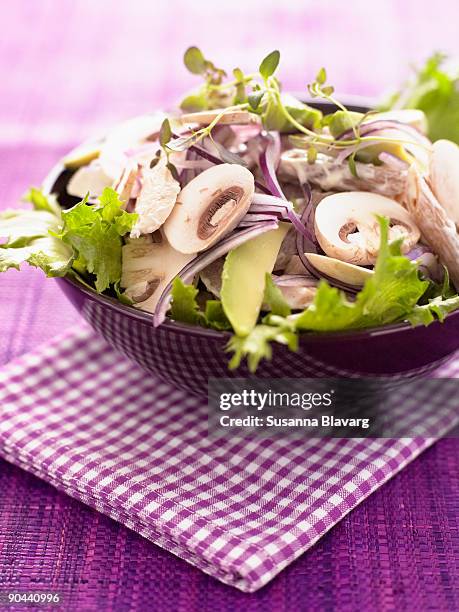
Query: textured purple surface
[[85, 419], [400, 549], [397, 551], [137, 450]]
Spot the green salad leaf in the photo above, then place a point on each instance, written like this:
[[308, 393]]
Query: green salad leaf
[[257, 344], [18, 227], [437, 308], [26, 236], [185, 308], [434, 90], [48, 253], [40, 201], [274, 299], [85, 237], [94, 232]]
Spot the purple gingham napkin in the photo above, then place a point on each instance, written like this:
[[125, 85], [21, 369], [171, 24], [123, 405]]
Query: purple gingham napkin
[[82, 417]]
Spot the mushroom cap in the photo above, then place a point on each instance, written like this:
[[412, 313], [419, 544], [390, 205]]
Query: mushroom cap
[[147, 267], [209, 207], [347, 227], [444, 176]]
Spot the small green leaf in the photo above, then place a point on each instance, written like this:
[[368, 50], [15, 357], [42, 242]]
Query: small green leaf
[[194, 60], [215, 316], [256, 345], [255, 99], [328, 91], [269, 64], [321, 76], [165, 132], [173, 170], [194, 102]]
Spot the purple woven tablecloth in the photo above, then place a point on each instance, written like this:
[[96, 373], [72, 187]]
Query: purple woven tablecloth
[[69, 68], [82, 417]]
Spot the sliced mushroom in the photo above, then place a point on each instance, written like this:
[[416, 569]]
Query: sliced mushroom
[[147, 267], [347, 228], [209, 207], [229, 118], [156, 199], [340, 270], [444, 177], [329, 175]]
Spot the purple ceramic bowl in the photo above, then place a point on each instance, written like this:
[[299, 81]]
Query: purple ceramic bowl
[[187, 356]]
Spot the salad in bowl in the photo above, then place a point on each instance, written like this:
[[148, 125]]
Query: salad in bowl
[[251, 212]]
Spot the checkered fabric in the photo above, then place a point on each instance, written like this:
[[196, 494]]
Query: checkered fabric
[[79, 415]]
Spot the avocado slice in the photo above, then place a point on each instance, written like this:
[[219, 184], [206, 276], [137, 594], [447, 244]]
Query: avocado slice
[[82, 156], [243, 278]]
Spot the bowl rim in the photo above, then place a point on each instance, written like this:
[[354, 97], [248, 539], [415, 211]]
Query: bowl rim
[[179, 327]]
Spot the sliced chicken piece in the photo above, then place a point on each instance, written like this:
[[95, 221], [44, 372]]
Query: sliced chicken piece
[[156, 199], [444, 177], [437, 228], [329, 175]]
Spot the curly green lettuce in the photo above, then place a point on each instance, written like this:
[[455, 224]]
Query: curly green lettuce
[[86, 238], [434, 90]]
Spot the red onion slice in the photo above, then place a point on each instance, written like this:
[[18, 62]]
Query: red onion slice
[[269, 159], [215, 160], [393, 161], [370, 127], [418, 251], [200, 262]]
